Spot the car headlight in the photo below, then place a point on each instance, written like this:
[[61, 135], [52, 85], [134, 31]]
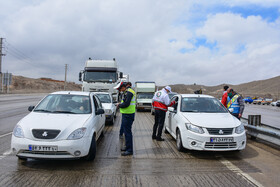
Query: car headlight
[[108, 111], [77, 134], [18, 132], [239, 129], [194, 128]]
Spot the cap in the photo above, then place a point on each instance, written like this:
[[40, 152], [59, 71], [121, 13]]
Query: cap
[[168, 88], [118, 87]]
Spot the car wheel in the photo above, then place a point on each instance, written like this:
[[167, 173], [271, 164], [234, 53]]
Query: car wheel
[[179, 141], [92, 150], [166, 131], [112, 121], [115, 115], [22, 158]]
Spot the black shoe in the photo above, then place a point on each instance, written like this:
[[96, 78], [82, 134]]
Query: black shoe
[[160, 139], [123, 149], [127, 153], [154, 137]]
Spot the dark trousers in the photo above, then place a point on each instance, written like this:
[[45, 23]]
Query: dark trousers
[[127, 121], [121, 129], [236, 115], [159, 122]]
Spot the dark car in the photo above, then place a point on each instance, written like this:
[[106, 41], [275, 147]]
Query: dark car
[[278, 104]]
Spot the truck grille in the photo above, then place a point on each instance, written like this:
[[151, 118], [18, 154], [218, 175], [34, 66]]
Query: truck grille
[[220, 145], [45, 133], [147, 104], [220, 131]]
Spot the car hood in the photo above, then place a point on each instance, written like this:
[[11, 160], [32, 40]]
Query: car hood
[[66, 123], [107, 105], [212, 120]]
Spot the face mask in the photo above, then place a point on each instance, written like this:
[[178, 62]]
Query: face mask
[[230, 94]]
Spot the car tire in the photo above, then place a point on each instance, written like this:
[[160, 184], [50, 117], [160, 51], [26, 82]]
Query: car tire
[[92, 150], [112, 121], [179, 141], [22, 158], [115, 115], [166, 131]]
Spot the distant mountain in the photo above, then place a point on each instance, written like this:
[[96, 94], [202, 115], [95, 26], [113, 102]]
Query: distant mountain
[[269, 88]]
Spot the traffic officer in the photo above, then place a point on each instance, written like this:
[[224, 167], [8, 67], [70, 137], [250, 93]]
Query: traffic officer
[[127, 108], [236, 103], [160, 103]]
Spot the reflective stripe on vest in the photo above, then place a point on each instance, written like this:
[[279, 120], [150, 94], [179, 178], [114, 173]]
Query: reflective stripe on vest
[[131, 108], [233, 103]]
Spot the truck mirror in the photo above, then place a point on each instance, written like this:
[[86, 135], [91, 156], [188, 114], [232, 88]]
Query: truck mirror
[[121, 74], [80, 76]]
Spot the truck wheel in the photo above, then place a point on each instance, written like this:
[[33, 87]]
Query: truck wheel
[[92, 150]]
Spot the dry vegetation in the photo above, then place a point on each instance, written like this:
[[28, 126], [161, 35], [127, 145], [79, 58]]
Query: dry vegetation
[[43, 85], [269, 88]]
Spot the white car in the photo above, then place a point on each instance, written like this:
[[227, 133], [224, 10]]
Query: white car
[[108, 105], [201, 122], [64, 125], [274, 103]]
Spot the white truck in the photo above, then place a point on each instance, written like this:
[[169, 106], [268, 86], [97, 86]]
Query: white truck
[[145, 92], [100, 76]]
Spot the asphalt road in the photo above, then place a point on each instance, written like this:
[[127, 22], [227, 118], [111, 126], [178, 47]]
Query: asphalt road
[[153, 163], [270, 115]]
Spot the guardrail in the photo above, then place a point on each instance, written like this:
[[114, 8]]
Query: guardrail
[[262, 131]]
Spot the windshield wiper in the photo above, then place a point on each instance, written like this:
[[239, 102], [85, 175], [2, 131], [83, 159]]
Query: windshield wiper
[[68, 112], [41, 110], [190, 111]]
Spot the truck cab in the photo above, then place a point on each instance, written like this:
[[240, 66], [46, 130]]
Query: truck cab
[[144, 94], [100, 76]]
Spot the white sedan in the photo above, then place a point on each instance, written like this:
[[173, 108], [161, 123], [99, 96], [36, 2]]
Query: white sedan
[[274, 103], [201, 122], [64, 125], [108, 105]]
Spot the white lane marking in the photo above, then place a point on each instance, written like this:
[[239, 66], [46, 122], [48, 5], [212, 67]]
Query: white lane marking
[[235, 169], [1, 136]]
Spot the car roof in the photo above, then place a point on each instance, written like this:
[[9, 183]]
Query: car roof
[[101, 93], [72, 93], [196, 95]]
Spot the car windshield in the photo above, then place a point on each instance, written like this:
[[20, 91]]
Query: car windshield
[[62, 103], [145, 95], [104, 98], [202, 104], [96, 76]]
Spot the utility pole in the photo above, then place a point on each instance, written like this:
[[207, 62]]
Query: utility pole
[[66, 67], [1, 54]]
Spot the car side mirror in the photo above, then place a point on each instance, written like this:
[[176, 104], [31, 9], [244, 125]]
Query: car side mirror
[[230, 110], [30, 108], [99, 111], [121, 75]]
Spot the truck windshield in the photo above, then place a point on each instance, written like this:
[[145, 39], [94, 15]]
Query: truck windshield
[[145, 95], [97, 76]]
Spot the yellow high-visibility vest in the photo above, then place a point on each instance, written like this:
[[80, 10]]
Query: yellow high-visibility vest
[[131, 108]]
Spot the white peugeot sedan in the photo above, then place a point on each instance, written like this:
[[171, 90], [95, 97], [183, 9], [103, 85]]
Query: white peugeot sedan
[[64, 125], [201, 122], [108, 105]]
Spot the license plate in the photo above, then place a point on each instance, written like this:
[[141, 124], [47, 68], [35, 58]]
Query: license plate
[[42, 148], [220, 139]]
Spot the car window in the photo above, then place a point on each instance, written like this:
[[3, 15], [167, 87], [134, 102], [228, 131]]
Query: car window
[[202, 104], [104, 98], [175, 106], [65, 103]]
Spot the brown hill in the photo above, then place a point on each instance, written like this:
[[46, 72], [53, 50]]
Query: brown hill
[[269, 88], [22, 84]]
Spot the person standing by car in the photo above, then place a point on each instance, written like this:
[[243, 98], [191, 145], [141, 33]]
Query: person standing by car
[[128, 84], [225, 96], [236, 103], [160, 103], [127, 108]]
